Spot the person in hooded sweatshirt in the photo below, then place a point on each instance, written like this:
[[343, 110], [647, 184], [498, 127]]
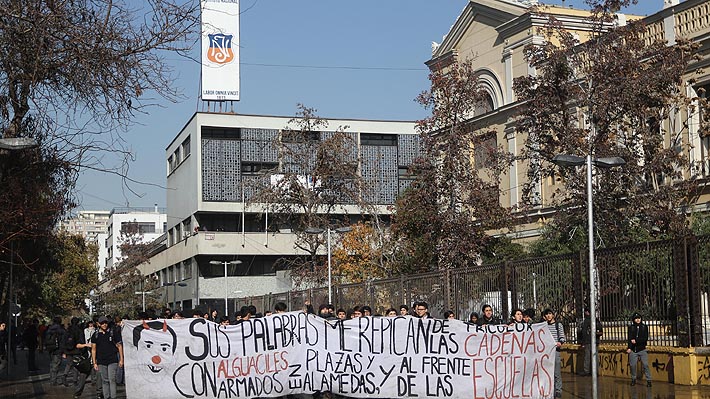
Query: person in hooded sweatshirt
[[636, 347]]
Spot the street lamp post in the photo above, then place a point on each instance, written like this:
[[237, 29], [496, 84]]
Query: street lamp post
[[226, 290], [318, 230], [91, 302], [605, 163], [13, 144]]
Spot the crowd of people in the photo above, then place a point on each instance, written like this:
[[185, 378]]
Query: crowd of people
[[92, 350], [79, 351]]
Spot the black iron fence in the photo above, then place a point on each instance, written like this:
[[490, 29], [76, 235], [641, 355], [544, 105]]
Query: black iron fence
[[668, 282]]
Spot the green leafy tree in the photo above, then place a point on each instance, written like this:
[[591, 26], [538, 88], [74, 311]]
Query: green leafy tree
[[75, 275], [441, 221], [613, 95]]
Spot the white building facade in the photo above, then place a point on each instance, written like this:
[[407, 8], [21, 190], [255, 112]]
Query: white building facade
[[209, 165], [88, 224], [151, 223]]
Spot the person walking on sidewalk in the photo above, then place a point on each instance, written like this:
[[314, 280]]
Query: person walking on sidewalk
[[71, 374], [29, 337], [107, 356], [76, 351], [636, 348], [56, 335], [95, 379]]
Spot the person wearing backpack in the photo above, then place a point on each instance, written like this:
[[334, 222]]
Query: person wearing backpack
[[71, 375], [76, 350], [53, 344]]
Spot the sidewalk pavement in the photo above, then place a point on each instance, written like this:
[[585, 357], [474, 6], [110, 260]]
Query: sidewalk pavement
[[20, 384], [23, 385]]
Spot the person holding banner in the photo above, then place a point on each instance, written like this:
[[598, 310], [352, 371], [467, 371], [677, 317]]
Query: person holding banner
[[516, 316], [421, 309], [487, 316], [558, 333], [473, 318], [529, 315]]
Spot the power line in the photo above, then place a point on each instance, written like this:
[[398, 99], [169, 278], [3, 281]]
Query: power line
[[357, 68]]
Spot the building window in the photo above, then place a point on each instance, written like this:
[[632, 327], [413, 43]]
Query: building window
[[209, 132], [187, 269], [484, 150], [171, 163], [178, 272], [484, 105], [378, 139], [185, 148], [705, 155], [298, 136], [137, 227], [186, 229], [254, 168]]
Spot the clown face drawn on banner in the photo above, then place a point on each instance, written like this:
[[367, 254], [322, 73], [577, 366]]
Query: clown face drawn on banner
[[155, 343]]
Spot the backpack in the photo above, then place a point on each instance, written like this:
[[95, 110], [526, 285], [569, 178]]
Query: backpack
[[54, 341], [70, 342]]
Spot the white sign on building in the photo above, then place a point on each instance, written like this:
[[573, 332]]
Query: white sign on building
[[220, 50]]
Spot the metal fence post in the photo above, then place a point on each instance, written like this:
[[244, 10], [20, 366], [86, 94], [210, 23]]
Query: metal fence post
[[680, 286], [448, 302], [578, 265], [505, 309], [513, 284], [694, 292]]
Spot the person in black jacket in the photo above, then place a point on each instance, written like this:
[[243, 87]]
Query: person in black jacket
[[74, 346], [584, 338], [54, 342], [636, 348]]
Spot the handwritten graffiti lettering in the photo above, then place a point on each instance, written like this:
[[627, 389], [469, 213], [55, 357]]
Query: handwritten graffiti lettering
[[658, 365], [296, 353], [611, 362], [704, 370]]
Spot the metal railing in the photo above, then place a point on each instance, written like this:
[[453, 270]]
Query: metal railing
[[668, 282]]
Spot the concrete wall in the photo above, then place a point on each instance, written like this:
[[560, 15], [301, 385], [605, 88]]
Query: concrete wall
[[682, 366]]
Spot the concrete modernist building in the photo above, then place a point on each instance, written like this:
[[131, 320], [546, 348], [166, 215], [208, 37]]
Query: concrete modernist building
[[210, 165], [494, 33], [151, 224], [88, 224]]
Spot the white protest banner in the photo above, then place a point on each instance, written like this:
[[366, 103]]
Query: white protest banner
[[379, 357], [220, 49]]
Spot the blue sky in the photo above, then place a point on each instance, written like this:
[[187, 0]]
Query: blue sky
[[362, 59]]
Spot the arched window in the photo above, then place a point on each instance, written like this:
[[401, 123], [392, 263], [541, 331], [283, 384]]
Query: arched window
[[489, 83]]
